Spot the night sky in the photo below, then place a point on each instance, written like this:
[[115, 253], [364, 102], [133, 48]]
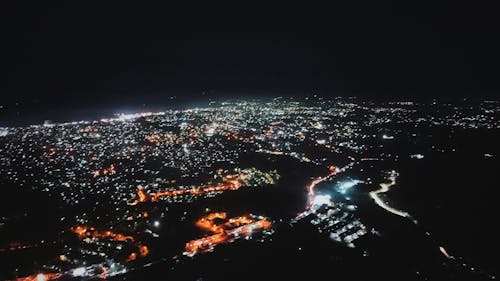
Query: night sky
[[86, 54]]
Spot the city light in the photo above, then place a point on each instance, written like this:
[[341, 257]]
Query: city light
[[225, 232], [343, 187], [79, 272], [120, 185], [321, 200]]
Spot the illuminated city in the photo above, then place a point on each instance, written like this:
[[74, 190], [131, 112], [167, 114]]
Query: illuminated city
[[239, 140], [128, 179]]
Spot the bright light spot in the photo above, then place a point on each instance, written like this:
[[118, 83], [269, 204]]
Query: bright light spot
[[40, 277], [417, 156], [444, 252], [320, 200], [321, 141], [343, 187], [386, 137], [349, 184], [79, 272], [156, 223], [210, 131], [318, 126], [125, 117]]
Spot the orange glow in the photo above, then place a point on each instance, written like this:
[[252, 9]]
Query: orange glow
[[154, 138], [145, 214], [238, 221], [205, 243], [196, 191], [110, 170], [331, 168], [143, 250], [224, 232], [142, 195], [39, 277], [207, 222], [81, 231], [167, 193], [230, 182], [132, 257], [84, 231]]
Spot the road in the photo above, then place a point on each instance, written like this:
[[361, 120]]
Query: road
[[384, 187]]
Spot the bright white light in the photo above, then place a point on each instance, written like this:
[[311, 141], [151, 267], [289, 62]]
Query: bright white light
[[40, 277], [349, 184], [79, 272], [156, 223], [318, 126], [386, 137], [321, 141], [343, 187], [210, 131], [321, 200]]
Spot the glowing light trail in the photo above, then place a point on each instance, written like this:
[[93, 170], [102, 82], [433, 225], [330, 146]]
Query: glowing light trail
[[310, 188], [384, 187], [230, 182]]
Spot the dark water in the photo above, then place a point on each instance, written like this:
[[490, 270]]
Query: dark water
[[79, 108]]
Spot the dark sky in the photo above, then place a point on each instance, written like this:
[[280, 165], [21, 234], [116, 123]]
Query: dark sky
[[79, 52]]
